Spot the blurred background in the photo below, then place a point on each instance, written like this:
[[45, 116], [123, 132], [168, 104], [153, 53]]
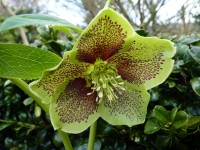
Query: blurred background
[[25, 126], [175, 17]]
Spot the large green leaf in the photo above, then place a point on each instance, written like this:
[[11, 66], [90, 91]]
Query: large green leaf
[[25, 62], [35, 19]]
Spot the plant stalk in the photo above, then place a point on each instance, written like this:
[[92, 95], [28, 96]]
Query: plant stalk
[[107, 3], [66, 141], [24, 86], [21, 30], [92, 135]]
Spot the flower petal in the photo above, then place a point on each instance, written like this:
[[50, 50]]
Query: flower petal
[[147, 61], [74, 110], [104, 36], [54, 81], [129, 109]]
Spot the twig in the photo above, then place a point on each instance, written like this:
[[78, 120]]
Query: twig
[[21, 30]]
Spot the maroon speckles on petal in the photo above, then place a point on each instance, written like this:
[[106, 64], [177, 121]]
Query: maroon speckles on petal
[[138, 71], [129, 104], [74, 105], [65, 71], [101, 41]]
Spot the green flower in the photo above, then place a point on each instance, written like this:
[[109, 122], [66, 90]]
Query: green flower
[[107, 74]]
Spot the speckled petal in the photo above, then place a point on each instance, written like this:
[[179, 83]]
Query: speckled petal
[[146, 61], [74, 110], [104, 36], [54, 81], [129, 109]]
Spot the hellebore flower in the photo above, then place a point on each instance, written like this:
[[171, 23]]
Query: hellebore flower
[[106, 74]]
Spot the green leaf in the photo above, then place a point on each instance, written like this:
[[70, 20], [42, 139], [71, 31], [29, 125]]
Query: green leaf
[[195, 82], [9, 142], [63, 29], [176, 67], [164, 142], [41, 136], [5, 124], [57, 140], [20, 61], [189, 39], [82, 144], [142, 32], [66, 30], [22, 116], [195, 53], [195, 70], [37, 111], [193, 122], [105, 129], [35, 19], [173, 114], [193, 108], [180, 119], [161, 114], [181, 50], [151, 127], [27, 101], [182, 132], [171, 83]]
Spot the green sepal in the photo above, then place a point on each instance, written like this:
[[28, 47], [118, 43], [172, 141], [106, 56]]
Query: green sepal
[[98, 38], [130, 108], [74, 111], [75, 127], [157, 53], [55, 79], [145, 61]]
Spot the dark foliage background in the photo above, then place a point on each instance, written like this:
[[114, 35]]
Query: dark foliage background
[[173, 117]]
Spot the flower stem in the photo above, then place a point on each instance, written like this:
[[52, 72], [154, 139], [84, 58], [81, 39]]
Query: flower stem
[[24, 86], [107, 3], [66, 141], [92, 135]]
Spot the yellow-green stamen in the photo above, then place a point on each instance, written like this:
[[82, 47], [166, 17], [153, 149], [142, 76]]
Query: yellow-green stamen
[[105, 81]]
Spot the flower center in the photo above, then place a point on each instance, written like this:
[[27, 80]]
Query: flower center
[[105, 81]]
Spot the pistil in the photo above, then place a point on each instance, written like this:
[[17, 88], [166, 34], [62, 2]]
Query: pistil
[[106, 82]]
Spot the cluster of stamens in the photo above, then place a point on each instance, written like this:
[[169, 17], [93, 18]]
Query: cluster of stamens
[[106, 82]]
